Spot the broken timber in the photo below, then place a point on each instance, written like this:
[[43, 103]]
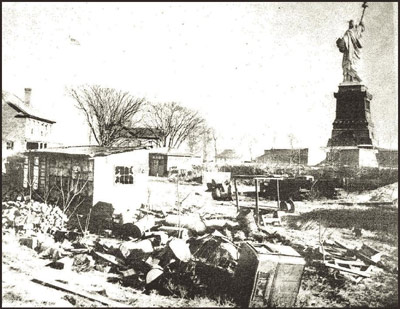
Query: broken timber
[[358, 203], [110, 258], [349, 270], [66, 288]]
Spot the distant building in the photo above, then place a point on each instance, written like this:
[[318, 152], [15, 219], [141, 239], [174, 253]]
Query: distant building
[[22, 127], [163, 162], [137, 137], [229, 156], [284, 156]]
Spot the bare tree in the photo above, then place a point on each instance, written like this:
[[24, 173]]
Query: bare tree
[[215, 137], [207, 139], [71, 191], [199, 139], [173, 123], [107, 111]]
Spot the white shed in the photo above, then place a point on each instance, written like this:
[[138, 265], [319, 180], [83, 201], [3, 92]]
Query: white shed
[[114, 175]]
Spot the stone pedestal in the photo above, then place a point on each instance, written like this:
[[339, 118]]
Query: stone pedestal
[[352, 141], [352, 125]]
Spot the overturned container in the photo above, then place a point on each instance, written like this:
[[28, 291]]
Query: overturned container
[[268, 275], [143, 225]]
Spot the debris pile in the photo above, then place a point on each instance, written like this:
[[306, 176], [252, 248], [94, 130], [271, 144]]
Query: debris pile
[[350, 262], [178, 252], [32, 216]]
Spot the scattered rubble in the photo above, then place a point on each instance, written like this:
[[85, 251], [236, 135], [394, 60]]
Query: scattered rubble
[[186, 254], [32, 216]]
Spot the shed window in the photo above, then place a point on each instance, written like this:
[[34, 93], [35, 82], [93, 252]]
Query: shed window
[[10, 145], [76, 170], [124, 174]]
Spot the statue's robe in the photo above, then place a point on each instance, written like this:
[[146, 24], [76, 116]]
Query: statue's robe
[[352, 40]]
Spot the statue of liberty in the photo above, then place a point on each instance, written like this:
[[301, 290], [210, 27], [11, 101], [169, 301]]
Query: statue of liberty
[[350, 45]]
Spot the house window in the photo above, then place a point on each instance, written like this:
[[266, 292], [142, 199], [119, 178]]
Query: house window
[[124, 174], [10, 145], [31, 145]]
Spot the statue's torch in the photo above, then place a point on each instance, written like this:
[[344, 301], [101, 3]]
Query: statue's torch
[[364, 6]]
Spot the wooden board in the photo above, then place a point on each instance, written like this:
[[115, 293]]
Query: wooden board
[[75, 291], [352, 271]]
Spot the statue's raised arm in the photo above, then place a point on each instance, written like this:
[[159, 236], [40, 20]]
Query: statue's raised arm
[[350, 45]]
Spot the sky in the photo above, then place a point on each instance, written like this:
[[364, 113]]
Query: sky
[[262, 74]]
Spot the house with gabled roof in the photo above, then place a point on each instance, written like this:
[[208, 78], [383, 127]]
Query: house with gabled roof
[[22, 127]]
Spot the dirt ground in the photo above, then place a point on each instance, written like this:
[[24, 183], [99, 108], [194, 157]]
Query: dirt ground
[[319, 287]]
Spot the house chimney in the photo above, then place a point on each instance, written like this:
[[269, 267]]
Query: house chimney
[[28, 96]]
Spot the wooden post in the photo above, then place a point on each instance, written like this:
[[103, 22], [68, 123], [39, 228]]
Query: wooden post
[[277, 192], [257, 215], [236, 194]]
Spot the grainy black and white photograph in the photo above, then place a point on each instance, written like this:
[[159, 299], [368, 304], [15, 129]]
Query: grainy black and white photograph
[[199, 154]]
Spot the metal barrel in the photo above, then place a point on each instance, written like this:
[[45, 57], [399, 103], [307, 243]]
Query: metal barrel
[[143, 225]]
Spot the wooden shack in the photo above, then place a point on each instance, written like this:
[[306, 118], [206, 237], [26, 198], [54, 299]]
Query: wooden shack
[[112, 175]]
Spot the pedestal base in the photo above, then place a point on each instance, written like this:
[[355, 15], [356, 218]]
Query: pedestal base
[[352, 125], [352, 156]]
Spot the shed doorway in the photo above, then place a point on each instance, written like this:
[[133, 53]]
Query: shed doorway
[[157, 166]]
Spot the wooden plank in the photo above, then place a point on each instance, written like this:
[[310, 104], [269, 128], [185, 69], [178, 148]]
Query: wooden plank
[[260, 207], [370, 253], [352, 263], [259, 177], [80, 292], [236, 194], [351, 277], [277, 193], [268, 220], [343, 245], [110, 258], [151, 213], [357, 203], [257, 209], [352, 271]]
